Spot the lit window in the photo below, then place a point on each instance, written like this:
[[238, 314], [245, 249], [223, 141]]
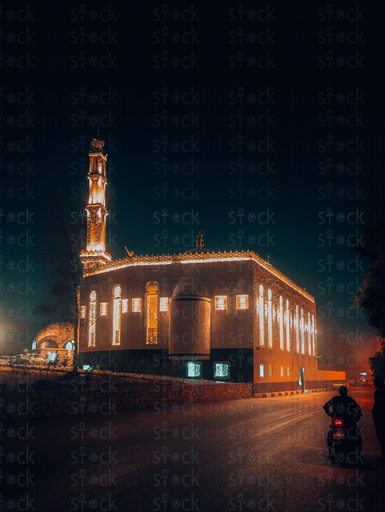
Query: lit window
[[269, 319], [193, 369], [221, 370], [302, 327], [281, 371], [103, 309], [261, 317], [287, 326], [296, 326], [242, 302], [270, 370], [83, 311], [163, 304], [281, 322], [92, 320], [313, 333], [220, 302], [125, 306], [288, 372], [136, 305], [261, 370], [117, 315], [309, 332], [152, 290]]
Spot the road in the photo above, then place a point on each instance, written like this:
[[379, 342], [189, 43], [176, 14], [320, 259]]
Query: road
[[254, 454]]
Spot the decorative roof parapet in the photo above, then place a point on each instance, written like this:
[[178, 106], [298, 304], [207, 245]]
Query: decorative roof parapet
[[169, 258]]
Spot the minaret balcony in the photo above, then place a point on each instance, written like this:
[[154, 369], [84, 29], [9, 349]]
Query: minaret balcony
[[87, 253], [98, 153], [94, 207], [96, 175]]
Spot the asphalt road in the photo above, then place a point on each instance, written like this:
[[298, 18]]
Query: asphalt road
[[255, 454]]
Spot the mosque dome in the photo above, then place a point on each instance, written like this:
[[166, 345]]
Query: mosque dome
[[191, 285]]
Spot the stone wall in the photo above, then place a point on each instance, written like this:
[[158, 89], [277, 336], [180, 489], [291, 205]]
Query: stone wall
[[107, 395], [13, 375]]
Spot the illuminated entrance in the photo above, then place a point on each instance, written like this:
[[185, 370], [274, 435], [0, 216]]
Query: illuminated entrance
[[301, 379]]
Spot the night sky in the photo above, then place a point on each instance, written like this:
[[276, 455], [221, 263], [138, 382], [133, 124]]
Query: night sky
[[261, 123]]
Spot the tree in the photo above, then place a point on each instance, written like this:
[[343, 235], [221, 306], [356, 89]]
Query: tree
[[65, 272], [371, 296], [377, 362]]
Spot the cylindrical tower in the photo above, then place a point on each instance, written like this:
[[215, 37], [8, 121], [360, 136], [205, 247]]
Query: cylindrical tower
[[190, 320]]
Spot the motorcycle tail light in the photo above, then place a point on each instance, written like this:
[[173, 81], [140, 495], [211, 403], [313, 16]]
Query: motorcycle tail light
[[338, 423]]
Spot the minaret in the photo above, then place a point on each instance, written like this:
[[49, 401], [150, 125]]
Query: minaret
[[95, 254]]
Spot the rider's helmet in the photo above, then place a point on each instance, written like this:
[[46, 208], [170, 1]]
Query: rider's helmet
[[343, 390]]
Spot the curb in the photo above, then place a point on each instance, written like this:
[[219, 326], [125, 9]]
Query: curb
[[286, 393]]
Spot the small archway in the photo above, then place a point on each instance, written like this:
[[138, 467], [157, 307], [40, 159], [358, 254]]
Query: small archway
[[48, 344], [55, 339]]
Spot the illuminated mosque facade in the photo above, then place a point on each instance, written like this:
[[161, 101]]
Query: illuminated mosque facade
[[228, 315]]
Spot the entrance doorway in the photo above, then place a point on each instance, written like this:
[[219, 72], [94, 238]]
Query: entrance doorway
[[301, 379]]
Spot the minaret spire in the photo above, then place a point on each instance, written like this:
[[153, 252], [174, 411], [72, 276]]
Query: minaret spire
[[95, 254]]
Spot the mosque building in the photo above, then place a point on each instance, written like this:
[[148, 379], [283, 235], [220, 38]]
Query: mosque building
[[227, 315]]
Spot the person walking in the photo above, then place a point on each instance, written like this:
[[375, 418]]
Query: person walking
[[378, 413]]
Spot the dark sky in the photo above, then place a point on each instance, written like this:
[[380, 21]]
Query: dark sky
[[263, 122]]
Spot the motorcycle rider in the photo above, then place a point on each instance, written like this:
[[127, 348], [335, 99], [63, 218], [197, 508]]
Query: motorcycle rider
[[344, 407]]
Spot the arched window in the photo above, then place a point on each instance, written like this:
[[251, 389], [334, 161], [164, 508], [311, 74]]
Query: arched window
[[152, 292], [261, 317], [281, 322], [117, 314], [313, 333], [92, 320], [287, 326], [302, 333], [269, 318]]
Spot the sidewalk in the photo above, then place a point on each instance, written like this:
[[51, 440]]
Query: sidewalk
[[286, 393]]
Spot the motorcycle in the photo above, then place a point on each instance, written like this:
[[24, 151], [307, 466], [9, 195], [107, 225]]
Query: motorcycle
[[345, 439]]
